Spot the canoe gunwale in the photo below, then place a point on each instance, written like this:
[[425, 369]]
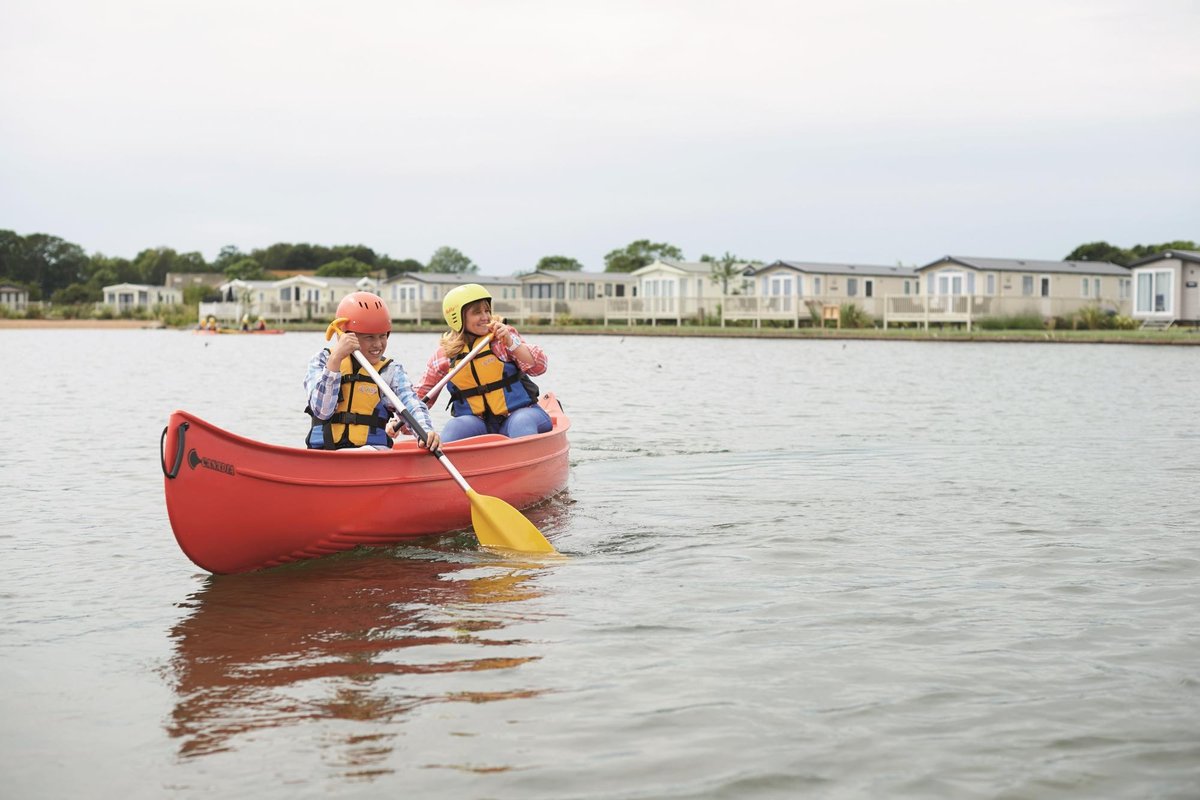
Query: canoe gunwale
[[343, 483]]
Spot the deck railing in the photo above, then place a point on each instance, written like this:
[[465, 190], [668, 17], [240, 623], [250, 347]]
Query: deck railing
[[791, 310], [968, 310]]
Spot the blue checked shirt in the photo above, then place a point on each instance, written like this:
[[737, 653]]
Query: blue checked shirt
[[323, 387]]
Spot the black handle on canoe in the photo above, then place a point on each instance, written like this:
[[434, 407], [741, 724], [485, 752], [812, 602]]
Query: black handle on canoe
[[171, 473]]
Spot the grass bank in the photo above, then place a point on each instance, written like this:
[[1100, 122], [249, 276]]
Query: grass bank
[[1174, 336]]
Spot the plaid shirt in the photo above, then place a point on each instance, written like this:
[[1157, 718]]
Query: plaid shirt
[[439, 365], [323, 387]]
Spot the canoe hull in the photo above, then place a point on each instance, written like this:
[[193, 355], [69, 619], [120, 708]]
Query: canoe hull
[[238, 505]]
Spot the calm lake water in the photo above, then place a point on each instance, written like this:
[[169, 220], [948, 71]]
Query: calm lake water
[[797, 569]]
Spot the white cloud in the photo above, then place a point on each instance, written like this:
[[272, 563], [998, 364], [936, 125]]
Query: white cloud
[[863, 130]]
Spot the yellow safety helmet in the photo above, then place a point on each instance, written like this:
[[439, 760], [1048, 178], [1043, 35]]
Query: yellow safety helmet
[[459, 298]]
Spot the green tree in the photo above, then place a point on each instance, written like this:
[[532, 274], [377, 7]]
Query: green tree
[[62, 262], [12, 258], [76, 294], [638, 254], [1143, 250], [345, 268], [42, 262], [559, 264], [1099, 251], [447, 259], [228, 256], [725, 269], [394, 267], [284, 257], [245, 269], [201, 294], [105, 276], [359, 252], [153, 264], [1103, 251], [105, 271]]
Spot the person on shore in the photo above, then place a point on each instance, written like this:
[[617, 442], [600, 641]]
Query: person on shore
[[345, 404], [494, 393]]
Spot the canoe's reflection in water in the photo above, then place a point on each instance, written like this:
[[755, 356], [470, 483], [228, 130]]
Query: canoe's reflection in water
[[349, 638]]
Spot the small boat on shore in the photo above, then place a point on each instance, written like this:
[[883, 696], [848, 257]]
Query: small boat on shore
[[238, 505], [260, 331]]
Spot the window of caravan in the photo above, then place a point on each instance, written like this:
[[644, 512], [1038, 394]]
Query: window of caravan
[[1153, 292]]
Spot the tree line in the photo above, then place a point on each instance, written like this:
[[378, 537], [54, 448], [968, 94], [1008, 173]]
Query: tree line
[[53, 269], [1103, 251]]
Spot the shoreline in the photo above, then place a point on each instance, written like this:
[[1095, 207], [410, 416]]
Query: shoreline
[[1183, 337], [81, 323]]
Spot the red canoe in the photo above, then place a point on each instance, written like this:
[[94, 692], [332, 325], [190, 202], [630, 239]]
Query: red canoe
[[238, 505]]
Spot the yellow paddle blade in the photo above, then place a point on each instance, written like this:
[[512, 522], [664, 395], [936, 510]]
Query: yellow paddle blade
[[497, 524]]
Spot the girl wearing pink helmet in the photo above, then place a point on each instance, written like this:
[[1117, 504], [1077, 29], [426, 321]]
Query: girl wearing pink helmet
[[345, 404]]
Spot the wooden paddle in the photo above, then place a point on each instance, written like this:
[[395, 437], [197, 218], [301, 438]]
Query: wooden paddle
[[496, 523]]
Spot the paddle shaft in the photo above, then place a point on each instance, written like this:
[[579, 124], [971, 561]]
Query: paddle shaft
[[476, 350], [408, 417]]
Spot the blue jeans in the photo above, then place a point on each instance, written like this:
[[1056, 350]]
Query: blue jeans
[[522, 422]]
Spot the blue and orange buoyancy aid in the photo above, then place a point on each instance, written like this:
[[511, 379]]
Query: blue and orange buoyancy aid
[[489, 387], [360, 417]]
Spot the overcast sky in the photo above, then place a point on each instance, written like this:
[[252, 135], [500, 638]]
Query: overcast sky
[[868, 131]]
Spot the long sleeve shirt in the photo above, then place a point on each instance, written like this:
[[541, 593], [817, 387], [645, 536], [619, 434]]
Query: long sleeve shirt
[[439, 365], [323, 386]]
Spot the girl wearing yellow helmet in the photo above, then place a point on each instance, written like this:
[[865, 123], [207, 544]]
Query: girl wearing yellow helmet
[[493, 393]]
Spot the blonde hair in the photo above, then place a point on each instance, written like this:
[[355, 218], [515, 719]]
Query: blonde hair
[[452, 343]]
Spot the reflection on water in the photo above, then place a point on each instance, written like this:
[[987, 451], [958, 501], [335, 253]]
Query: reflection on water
[[326, 640]]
